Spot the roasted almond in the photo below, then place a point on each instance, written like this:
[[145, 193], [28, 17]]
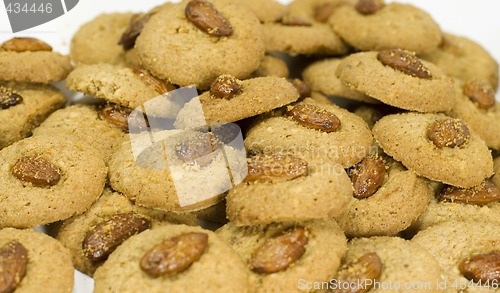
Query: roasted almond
[[8, 98], [174, 255], [278, 253], [134, 29], [368, 7], [485, 193], [357, 273], [37, 170], [197, 149], [25, 44], [225, 87], [480, 92], [367, 176], [13, 263], [314, 117], [106, 236], [207, 18], [116, 115], [404, 61], [159, 85], [481, 267], [275, 168], [448, 133], [302, 88]]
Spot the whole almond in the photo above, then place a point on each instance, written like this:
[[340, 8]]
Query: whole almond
[[367, 176], [367, 267], [37, 170], [9, 99], [314, 117], [174, 255], [25, 44], [13, 263], [106, 236], [485, 193], [481, 93], [277, 254], [159, 85], [368, 7], [134, 29], [481, 267], [196, 150], [207, 18], [225, 87], [448, 133], [404, 61], [116, 116], [275, 168]]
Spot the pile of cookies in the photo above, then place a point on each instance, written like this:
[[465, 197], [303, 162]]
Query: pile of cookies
[[367, 156]]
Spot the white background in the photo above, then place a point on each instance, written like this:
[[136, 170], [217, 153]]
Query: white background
[[478, 20]]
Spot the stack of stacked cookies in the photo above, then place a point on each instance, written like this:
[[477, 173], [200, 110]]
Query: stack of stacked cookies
[[367, 146]]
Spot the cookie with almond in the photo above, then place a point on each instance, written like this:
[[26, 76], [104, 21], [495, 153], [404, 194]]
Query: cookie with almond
[[389, 260], [48, 179], [27, 256], [173, 258], [435, 146], [278, 256], [23, 107], [398, 78], [85, 235], [284, 187], [320, 132], [465, 258], [373, 25], [381, 205], [33, 61]]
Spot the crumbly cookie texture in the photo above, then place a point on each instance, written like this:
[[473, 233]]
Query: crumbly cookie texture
[[439, 211], [35, 104], [256, 96], [264, 10], [464, 59], [45, 254], [347, 145], [321, 77], [405, 138], [168, 35], [73, 231], [326, 245], [120, 85], [449, 245], [218, 269], [272, 65], [324, 193], [76, 173], [310, 11], [484, 121], [84, 122], [317, 39], [161, 174], [390, 209], [97, 40], [34, 67], [403, 262], [363, 72], [387, 28]]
